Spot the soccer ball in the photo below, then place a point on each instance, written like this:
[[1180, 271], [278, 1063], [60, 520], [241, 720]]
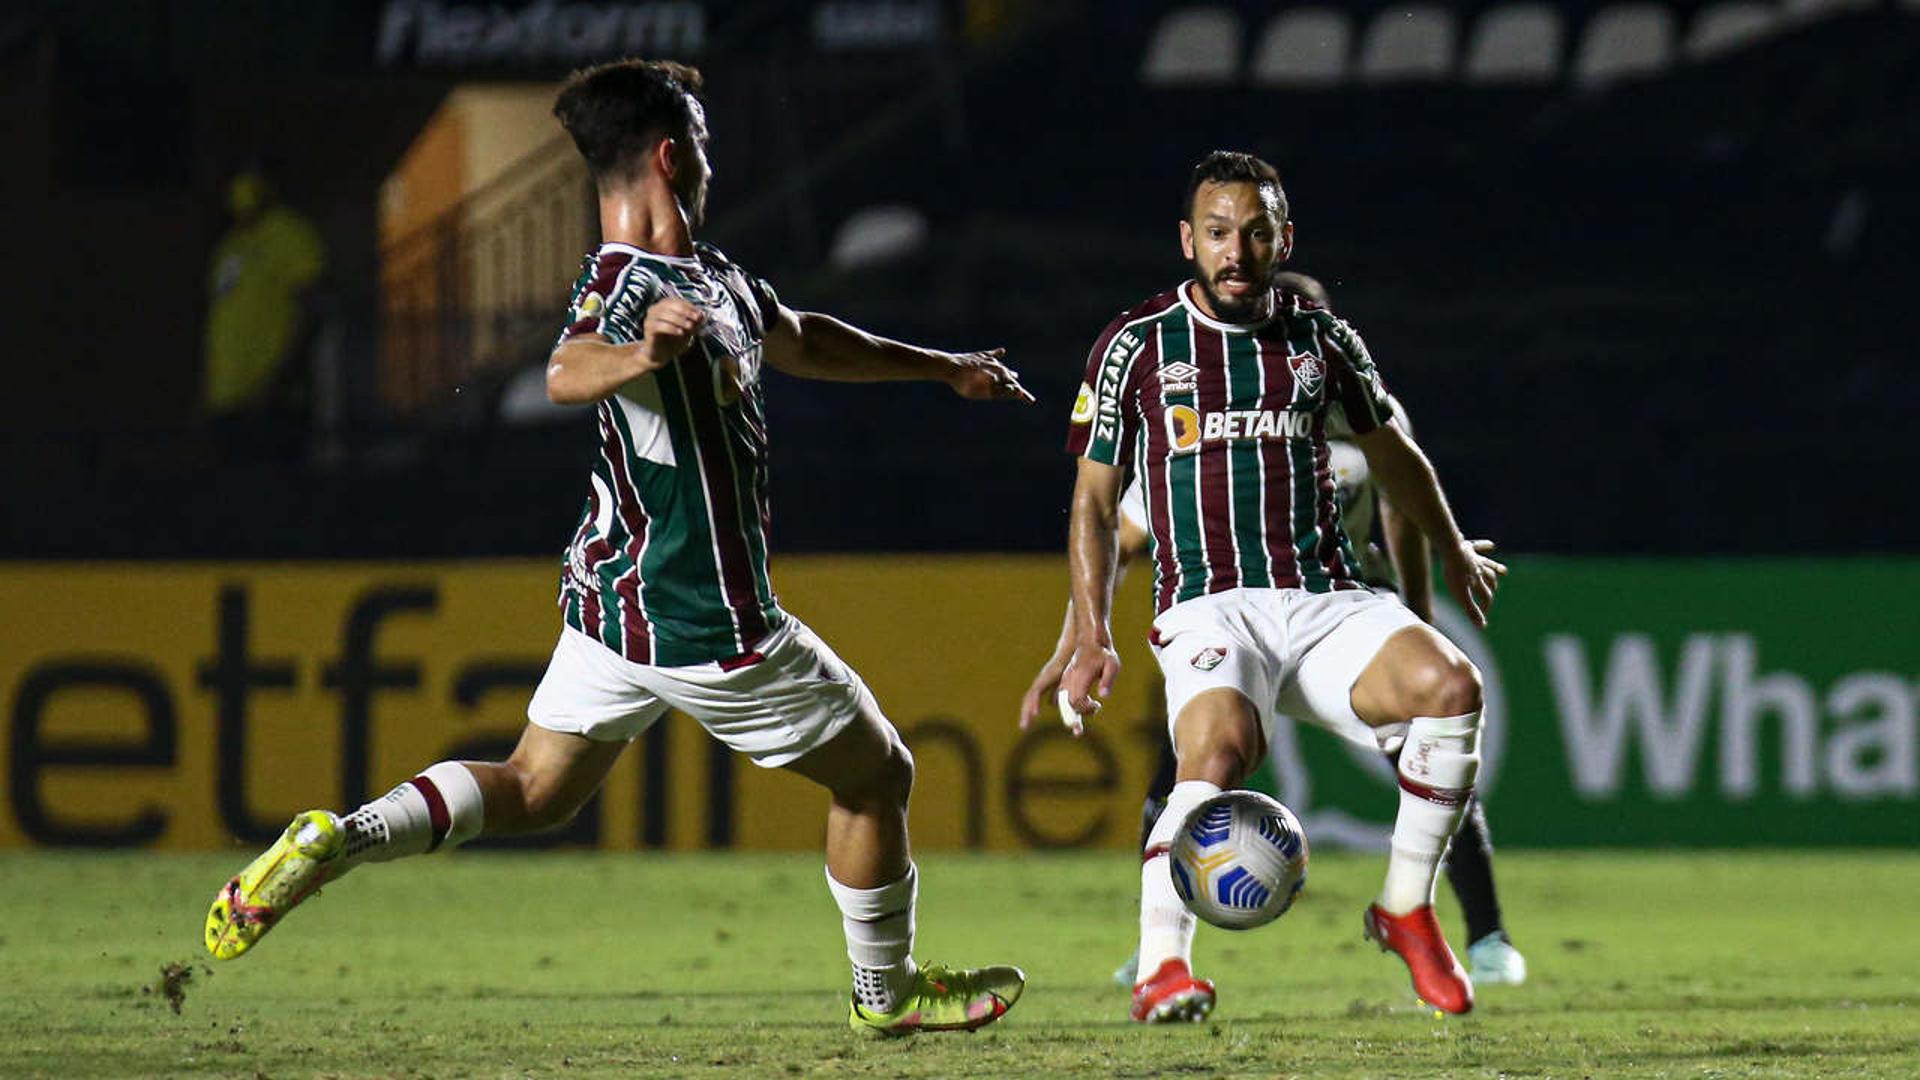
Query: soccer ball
[[1239, 860]]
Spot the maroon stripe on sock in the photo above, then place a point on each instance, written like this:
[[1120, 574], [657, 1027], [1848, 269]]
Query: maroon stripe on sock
[[437, 815], [1441, 796], [1154, 851]]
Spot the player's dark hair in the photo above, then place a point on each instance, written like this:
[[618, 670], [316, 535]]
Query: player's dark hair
[[1233, 167], [617, 111]]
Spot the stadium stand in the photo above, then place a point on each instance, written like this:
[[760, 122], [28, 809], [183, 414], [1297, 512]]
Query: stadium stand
[[1515, 44], [1806, 11], [1194, 46], [1624, 42], [878, 235], [1729, 27], [1305, 46], [1594, 277], [1411, 44]]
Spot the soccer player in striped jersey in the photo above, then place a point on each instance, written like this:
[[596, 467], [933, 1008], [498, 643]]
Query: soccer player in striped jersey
[[1217, 393], [1400, 563], [664, 591]]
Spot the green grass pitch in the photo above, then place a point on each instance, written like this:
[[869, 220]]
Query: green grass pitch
[[1672, 964]]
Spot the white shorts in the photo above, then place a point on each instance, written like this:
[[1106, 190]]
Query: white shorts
[[796, 697], [1289, 651]]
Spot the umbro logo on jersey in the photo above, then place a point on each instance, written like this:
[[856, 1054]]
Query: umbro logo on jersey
[[1178, 377], [1209, 658], [1308, 371]]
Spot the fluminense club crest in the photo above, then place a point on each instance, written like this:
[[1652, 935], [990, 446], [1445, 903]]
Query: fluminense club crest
[[1209, 658], [1308, 371]]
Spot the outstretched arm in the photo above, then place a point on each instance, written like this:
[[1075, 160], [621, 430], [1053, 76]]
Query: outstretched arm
[[1091, 544], [815, 346], [1132, 543], [1407, 478]]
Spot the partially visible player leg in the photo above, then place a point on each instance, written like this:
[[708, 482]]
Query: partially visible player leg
[[1491, 957], [1161, 786], [585, 710], [1158, 790], [1419, 679], [869, 773], [1217, 741], [541, 786]]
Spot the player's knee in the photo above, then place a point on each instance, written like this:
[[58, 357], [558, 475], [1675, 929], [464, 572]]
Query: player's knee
[[890, 782], [1225, 765], [884, 780], [900, 772], [1224, 754], [1447, 687]]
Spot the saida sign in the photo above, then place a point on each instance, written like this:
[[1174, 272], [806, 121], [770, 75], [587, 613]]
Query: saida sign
[[1629, 702]]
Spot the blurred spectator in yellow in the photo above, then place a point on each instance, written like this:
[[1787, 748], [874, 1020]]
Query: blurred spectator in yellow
[[257, 322]]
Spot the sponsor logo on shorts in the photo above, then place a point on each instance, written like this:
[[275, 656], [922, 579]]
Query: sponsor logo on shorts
[[1208, 658]]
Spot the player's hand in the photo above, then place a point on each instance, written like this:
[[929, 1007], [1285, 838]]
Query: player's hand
[[1093, 668], [980, 376], [1472, 576], [1045, 685], [668, 331]]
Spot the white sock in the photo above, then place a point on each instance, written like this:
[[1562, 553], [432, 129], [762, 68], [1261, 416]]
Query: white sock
[[879, 927], [438, 810], [1166, 926], [1437, 767]]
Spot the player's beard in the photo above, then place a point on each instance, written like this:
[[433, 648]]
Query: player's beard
[[1248, 308]]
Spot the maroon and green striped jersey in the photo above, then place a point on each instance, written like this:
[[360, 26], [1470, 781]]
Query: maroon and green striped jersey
[[1226, 425], [669, 563]]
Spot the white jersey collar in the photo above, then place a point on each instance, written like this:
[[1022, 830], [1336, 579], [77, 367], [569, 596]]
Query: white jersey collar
[[1204, 319]]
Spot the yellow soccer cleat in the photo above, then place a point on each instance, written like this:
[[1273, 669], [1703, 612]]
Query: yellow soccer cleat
[[305, 857], [943, 999]]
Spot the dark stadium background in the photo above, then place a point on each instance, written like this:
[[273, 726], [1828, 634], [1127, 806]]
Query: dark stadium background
[[1666, 314], [1642, 272]]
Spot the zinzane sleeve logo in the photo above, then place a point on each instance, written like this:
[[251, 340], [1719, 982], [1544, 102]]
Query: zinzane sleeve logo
[[1101, 423]]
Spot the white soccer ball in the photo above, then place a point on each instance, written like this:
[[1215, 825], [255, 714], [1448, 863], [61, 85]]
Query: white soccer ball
[[1239, 860]]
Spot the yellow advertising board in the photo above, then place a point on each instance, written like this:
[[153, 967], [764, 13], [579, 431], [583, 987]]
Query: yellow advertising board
[[189, 705]]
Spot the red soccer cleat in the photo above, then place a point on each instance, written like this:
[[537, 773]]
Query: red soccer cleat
[[1172, 995], [1437, 976]]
